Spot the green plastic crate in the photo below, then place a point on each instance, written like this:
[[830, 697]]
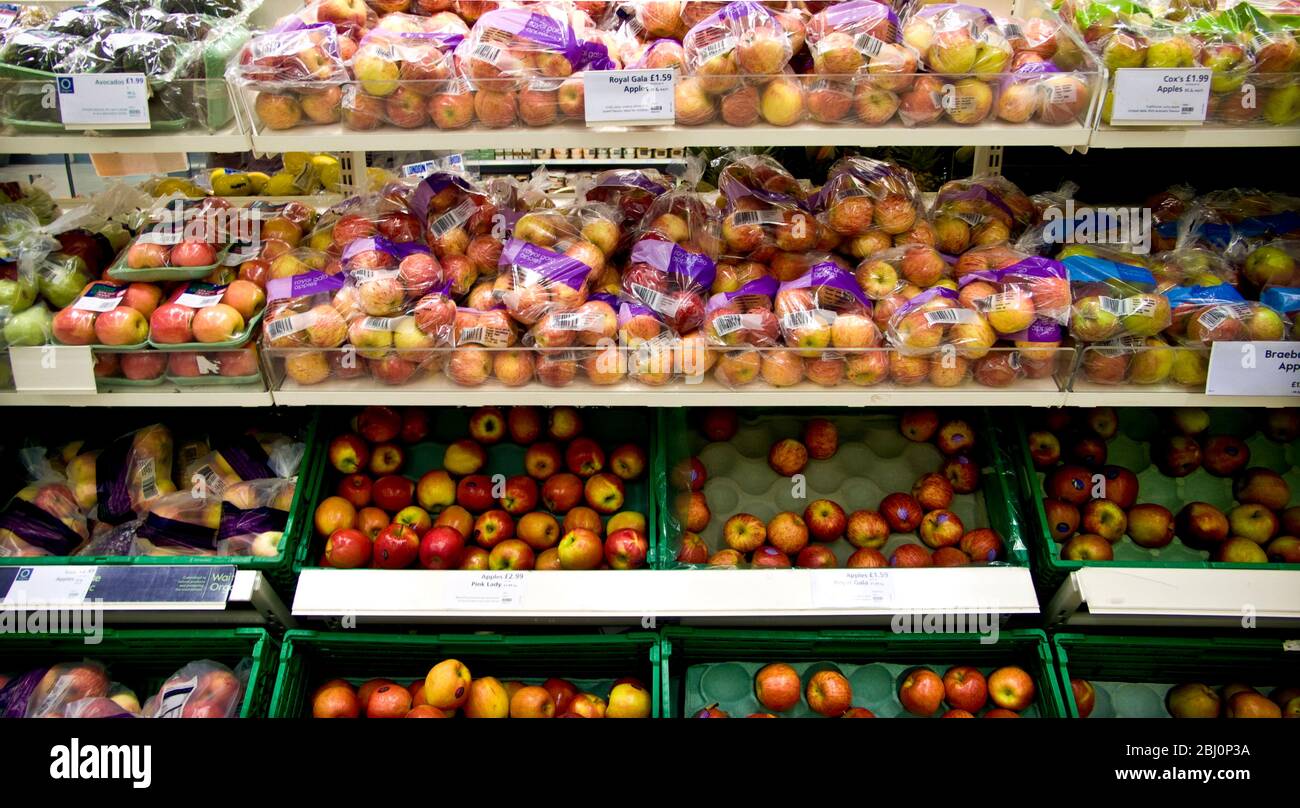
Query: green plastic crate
[[706, 666], [992, 505], [610, 427], [1132, 674], [278, 569], [1131, 449], [142, 659], [310, 658]]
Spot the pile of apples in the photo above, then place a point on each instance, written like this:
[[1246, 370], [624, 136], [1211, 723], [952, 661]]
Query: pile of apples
[[1090, 505], [200, 689], [449, 691], [566, 511], [790, 539], [921, 692], [1198, 700]]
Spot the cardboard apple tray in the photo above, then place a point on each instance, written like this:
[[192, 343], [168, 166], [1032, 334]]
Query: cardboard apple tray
[[142, 659], [1131, 449], [591, 662], [874, 459], [704, 667], [1131, 675], [609, 427]]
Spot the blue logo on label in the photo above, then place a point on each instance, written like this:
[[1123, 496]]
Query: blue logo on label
[[25, 574], [65, 84]]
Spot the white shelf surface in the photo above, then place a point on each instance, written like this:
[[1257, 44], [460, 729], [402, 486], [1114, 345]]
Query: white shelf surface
[[161, 396], [679, 394], [227, 140], [645, 597], [334, 137], [1090, 394], [1119, 596], [1145, 137]]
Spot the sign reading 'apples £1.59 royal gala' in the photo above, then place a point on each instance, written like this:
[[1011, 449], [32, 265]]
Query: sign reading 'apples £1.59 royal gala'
[[629, 96], [1254, 369], [1151, 95]]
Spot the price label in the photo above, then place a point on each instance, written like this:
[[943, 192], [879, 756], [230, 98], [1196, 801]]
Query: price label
[[843, 589], [103, 101], [486, 589], [1254, 369], [53, 369], [1151, 95], [629, 96], [49, 586]]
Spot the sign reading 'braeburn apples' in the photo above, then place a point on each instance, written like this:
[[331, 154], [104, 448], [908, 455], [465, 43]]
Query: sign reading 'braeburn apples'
[[1254, 369]]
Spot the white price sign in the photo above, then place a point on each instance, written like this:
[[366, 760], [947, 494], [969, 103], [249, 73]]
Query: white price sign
[[1152, 95], [107, 101], [53, 368], [50, 586], [629, 96], [1254, 369], [486, 589], [845, 589]]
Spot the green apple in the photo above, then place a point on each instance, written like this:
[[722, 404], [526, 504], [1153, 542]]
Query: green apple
[[30, 327], [62, 280], [17, 294], [1176, 51], [1271, 266], [1282, 106]]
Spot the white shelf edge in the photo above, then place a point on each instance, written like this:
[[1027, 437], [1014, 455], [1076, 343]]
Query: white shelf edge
[[647, 596], [1177, 596], [227, 140], [212, 396], [1139, 137]]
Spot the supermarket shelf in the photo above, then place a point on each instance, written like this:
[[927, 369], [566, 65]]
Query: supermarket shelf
[[229, 139], [1088, 394], [645, 597], [562, 163], [1118, 596], [630, 394], [250, 602], [336, 138], [1140, 137], [213, 396]]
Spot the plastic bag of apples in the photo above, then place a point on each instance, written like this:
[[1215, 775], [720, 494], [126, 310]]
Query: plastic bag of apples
[[825, 309], [763, 208], [201, 689], [1284, 300], [1112, 299], [1205, 314], [935, 319], [297, 75], [46, 517], [861, 193], [743, 316], [1012, 299]]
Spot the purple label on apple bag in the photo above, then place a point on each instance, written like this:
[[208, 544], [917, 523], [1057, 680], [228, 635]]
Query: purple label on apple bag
[[314, 282], [397, 250], [971, 13], [741, 11], [840, 16], [432, 184], [764, 287], [38, 528], [830, 276], [604, 297], [551, 34], [735, 190], [628, 310], [933, 293], [688, 267], [18, 691], [531, 264], [629, 178], [250, 521], [1033, 267], [166, 532], [973, 193], [1042, 329]]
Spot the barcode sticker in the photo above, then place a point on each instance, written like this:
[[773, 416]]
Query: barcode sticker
[[452, 218], [474, 335], [148, 479], [745, 217], [486, 52], [1139, 305], [100, 297], [567, 321], [946, 316], [1112, 305], [201, 295], [364, 275], [1012, 31], [381, 323], [725, 324], [803, 318], [284, 326], [208, 483], [721, 46], [656, 301], [868, 45]]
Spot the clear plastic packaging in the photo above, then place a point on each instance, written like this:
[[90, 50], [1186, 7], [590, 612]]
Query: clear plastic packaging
[[824, 309], [935, 320], [669, 280], [1112, 300], [744, 316], [1202, 315], [1012, 299], [861, 193], [860, 36], [897, 268], [201, 689]]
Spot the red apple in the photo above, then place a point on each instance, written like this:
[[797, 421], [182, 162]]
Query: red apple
[[921, 692], [396, 547], [441, 548]]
